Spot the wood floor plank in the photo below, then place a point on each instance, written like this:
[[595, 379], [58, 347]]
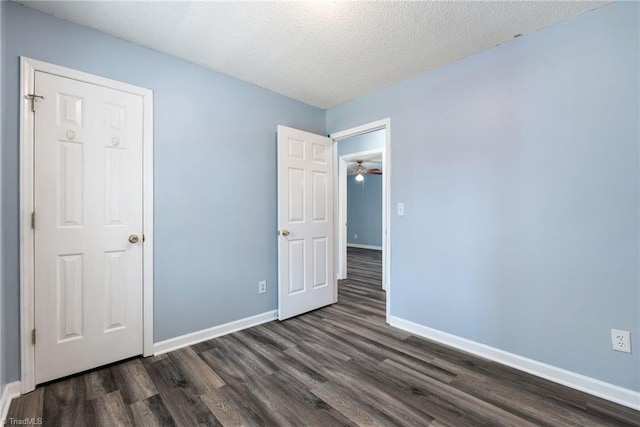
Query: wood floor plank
[[340, 344], [78, 413], [110, 410], [252, 407], [133, 381], [165, 374], [360, 347], [63, 393], [267, 336], [535, 386], [540, 411], [369, 392], [294, 404], [233, 362], [373, 336], [317, 411], [360, 413], [187, 409], [198, 374], [304, 373], [411, 394], [98, 383], [518, 392], [611, 413], [151, 412], [424, 368], [437, 405], [30, 403], [282, 329], [225, 410], [482, 409], [326, 348], [339, 365], [268, 402]]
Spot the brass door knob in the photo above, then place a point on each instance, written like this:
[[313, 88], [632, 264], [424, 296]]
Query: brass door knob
[[285, 232], [134, 238]]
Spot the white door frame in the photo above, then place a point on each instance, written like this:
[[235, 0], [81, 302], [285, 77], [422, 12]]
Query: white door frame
[[386, 197], [342, 208], [28, 67]]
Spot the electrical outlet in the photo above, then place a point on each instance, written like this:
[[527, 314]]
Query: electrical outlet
[[355, 236], [621, 340], [262, 286]]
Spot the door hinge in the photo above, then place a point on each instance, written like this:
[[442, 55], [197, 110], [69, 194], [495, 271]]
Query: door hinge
[[33, 337], [33, 220], [33, 97]]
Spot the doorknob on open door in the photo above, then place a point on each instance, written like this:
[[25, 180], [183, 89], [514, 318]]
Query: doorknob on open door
[[285, 232], [134, 238]]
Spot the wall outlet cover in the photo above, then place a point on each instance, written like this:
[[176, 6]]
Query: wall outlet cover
[[621, 340], [262, 286]]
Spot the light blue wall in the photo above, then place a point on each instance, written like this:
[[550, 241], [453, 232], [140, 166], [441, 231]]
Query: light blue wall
[[519, 170], [215, 174], [364, 142], [364, 210]]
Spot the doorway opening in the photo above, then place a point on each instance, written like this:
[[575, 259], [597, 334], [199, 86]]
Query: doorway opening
[[360, 195], [362, 177]]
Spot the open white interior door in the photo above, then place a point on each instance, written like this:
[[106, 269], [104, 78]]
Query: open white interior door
[[306, 280]]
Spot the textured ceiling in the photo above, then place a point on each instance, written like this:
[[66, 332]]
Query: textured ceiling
[[321, 53]]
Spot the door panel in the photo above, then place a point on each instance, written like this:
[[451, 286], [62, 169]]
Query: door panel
[[305, 210], [69, 295], [320, 261], [88, 201]]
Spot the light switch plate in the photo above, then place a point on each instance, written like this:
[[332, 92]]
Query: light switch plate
[[400, 209]]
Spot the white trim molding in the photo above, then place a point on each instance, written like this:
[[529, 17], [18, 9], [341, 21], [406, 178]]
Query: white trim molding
[[213, 332], [359, 130], [28, 68], [9, 392], [604, 390], [356, 245]]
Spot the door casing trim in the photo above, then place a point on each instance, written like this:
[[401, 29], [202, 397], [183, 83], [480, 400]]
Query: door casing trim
[[28, 67]]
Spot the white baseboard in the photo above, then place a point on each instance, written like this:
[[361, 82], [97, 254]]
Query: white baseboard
[[209, 333], [614, 393], [9, 392], [355, 245]]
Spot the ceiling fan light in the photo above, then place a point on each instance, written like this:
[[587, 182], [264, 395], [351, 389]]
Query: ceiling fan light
[[359, 177]]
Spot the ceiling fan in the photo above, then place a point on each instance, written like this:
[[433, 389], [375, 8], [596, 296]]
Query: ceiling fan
[[359, 170]]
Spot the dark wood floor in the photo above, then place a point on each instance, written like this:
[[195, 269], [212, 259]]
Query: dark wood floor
[[340, 365]]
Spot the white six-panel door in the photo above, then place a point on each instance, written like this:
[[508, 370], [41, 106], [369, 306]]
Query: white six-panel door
[[305, 220], [89, 211]]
